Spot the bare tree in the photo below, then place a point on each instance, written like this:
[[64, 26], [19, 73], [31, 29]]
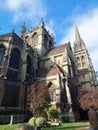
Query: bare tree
[[39, 98]]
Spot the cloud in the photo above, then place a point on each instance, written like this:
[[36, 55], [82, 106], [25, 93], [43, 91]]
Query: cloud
[[50, 26], [88, 28], [94, 55], [24, 9]]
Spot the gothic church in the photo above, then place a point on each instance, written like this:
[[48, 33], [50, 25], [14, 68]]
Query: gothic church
[[32, 57]]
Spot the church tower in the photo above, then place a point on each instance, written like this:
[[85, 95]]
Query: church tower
[[84, 64], [40, 39]]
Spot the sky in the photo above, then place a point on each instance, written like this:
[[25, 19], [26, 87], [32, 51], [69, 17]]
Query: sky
[[60, 17]]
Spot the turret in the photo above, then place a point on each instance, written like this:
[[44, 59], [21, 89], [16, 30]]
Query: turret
[[22, 31], [41, 24]]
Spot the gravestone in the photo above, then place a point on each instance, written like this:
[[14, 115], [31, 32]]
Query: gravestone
[[11, 120]]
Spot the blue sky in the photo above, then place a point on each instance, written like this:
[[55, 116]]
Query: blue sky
[[59, 16]]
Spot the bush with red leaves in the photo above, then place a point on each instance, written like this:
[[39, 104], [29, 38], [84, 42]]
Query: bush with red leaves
[[88, 98]]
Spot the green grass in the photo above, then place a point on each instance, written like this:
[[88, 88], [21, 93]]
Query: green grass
[[68, 126], [64, 126]]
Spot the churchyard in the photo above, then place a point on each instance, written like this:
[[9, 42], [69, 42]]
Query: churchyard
[[63, 126]]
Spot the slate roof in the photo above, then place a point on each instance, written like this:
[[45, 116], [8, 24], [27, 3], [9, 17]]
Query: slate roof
[[57, 50], [5, 36], [13, 34], [55, 69]]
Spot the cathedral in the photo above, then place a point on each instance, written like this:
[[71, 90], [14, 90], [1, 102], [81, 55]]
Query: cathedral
[[31, 58]]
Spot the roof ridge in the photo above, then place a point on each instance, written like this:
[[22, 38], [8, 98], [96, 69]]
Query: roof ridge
[[61, 45]]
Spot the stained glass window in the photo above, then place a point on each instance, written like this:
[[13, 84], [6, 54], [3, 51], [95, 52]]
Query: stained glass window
[[28, 65], [14, 58]]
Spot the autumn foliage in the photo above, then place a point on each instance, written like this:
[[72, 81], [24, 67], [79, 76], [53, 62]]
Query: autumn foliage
[[88, 98], [39, 98]]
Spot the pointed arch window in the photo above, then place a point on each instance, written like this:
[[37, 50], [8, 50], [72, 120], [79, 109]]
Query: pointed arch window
[[83, 61], [2, 52], [45, 39], [14, 58], [52, 91], [78, 62], [28, 64], [35, 38], [50, 44]]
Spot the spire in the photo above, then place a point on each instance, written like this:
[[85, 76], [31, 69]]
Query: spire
[[79, 43], [77, 35]]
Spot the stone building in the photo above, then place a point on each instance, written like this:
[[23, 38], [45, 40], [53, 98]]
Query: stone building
[[86, 73], [32, 57]]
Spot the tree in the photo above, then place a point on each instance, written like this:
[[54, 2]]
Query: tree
[[88, 98], [52, 113], [39, 98]]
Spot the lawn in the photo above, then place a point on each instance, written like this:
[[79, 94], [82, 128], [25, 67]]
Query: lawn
[[64, 126], [68, 126]]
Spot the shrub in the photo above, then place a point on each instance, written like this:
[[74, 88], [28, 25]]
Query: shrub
[[32, 121], [40, 121], [88, 99], [52, 113], [25, 127]]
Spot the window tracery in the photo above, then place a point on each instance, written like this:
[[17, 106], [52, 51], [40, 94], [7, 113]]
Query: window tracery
[[28, 64], [52, 91], [45, 39], [35, 38], [50, 45], [14, 58], [83, 61], [78, 62]]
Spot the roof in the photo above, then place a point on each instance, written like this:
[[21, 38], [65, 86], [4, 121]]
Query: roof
[[55, 69], [57, 50], [11, 34], [17, 38], [5, 36]]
